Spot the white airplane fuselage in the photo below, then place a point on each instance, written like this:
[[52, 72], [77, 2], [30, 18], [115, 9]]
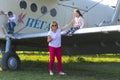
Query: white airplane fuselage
[[35, 16]]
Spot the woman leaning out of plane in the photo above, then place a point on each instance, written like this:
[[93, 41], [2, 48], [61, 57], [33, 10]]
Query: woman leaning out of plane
[[54, 45]]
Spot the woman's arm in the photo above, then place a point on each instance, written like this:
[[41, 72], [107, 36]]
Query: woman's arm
[[49, 39], [67, 25]]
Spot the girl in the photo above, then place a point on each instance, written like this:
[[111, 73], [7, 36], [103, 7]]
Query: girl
[[54, 44], [78, 22]]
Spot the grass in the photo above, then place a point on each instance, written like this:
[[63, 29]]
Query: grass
[[84, 67]]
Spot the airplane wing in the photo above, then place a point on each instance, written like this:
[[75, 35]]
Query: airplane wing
[[98, 40], [105, 29], [29, 35], [84, 41]]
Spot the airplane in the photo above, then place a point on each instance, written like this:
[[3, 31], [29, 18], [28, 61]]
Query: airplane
[[100, 34]]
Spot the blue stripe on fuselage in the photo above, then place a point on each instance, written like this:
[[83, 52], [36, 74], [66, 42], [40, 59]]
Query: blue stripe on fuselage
[[38, 24]]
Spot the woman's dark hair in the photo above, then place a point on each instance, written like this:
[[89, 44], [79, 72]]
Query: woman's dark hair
[[76, 10], [10, 13]]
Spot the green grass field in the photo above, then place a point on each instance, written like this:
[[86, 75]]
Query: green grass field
[[84, 67]]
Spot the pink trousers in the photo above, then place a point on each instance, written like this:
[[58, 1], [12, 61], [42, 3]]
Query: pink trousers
[[58, 53]]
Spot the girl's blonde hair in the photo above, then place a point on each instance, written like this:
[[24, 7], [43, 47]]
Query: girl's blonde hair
[[53, 23], [76, 10]]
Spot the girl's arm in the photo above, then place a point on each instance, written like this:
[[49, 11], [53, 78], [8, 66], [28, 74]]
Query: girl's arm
[[49, 39], [3, 13], [81, 22], [67, 25]]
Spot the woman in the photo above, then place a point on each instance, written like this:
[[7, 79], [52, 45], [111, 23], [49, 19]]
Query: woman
[[54, 43]]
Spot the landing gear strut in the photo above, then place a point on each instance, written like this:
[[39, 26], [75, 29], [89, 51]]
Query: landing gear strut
[[10, 60]]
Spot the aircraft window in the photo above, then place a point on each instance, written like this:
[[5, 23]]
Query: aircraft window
[[43, 9], [53, 12], [33, 7], [23, 4]]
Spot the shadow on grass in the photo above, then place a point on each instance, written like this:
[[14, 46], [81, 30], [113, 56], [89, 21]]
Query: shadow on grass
[[77, 69], [34, 66], [38, 70]]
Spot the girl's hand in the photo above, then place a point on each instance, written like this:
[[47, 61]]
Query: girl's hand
[[1, 12]]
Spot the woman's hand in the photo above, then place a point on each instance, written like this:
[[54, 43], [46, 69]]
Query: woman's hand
[[49, 39], [67, 25]]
